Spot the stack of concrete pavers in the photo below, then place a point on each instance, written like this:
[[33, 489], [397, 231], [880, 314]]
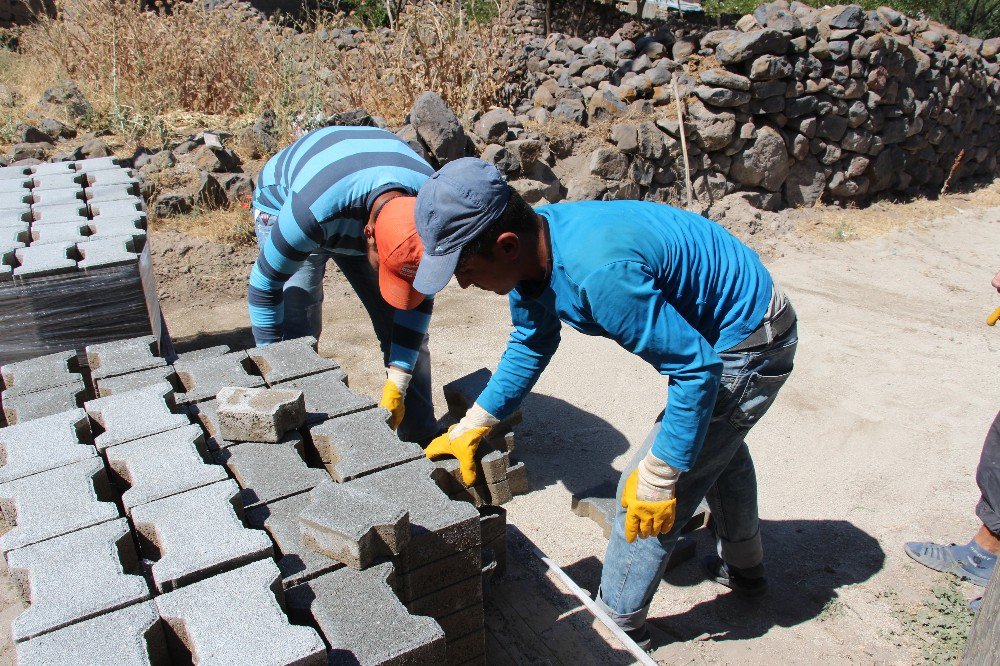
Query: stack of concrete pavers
[[74, 263]]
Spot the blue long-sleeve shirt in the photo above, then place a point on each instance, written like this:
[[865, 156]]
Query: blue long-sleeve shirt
[[669, 286], [321, 189]]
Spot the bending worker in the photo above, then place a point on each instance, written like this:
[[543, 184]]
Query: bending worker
[[673, 288], [347, 194]]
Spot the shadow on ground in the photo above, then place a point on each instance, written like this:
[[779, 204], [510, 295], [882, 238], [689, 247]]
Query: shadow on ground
[[807, 562], [237, 338]]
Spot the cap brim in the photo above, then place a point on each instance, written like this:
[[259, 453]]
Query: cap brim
[[396, 291], [435, 271]]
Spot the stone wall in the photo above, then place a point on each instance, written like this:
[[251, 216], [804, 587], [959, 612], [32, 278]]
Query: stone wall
[[21, 12]]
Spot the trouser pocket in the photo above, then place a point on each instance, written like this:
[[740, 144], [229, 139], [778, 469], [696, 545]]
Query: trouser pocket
[[758, 396]]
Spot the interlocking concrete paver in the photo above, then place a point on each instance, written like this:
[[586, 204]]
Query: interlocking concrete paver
[[234, 618], [56, 181], [21, 187], [106, 252], [47, 168], [56, 502], [439, 574], [109, 177], [21, 407], [290, 359], [135, 380], [196, 534], [71, 232], [357, 444], [447, 600], [39, 373], [132, 636], [206, 352], [462, 623], [353, 527], [13, 172], [468, 649], [203, 378], [75, 577], [14, 216], [117, 415], [132, 225], [43, 444], [48, 259], [327, 396], [517, 478], [96, 164], [162, 465], [14, 199], [71, 212], [267, 472], [124, 191], [66, 196], [118, 358], [259, 414], [355, 609], [116, 208]]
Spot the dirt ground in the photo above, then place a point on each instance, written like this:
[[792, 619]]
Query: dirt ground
[[873, 441]]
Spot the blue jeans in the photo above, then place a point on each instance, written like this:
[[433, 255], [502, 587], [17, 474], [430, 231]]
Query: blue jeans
[[723, 474], [303, 296]]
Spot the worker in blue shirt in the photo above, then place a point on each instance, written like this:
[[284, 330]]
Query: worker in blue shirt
[[347, 194], [673, 288]]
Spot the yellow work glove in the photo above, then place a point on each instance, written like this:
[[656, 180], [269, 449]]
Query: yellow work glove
[[648, 499], [394, 393], [462, 440]]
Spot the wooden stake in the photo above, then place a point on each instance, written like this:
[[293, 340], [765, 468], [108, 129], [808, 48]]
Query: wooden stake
[[684, 147]]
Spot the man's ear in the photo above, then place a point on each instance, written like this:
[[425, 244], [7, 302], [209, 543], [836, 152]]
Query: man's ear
[[508, 246]]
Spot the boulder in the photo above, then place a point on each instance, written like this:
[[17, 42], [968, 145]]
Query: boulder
[[605, 105], [500, 156], [750, 45], [723, 78], [173, 202], [723, 97], [608, 163], [625, 136], [438, 128], [55, 129], [764, 163], [768, 67], [66, 95], [805, 183], [210, 193], [492, 127], [851, 18], [586, 188]]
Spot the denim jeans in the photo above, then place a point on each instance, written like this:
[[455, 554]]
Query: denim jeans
[[303, 297], [723, 474]]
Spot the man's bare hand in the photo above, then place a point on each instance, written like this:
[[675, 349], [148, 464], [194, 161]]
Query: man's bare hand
[[996, 282]]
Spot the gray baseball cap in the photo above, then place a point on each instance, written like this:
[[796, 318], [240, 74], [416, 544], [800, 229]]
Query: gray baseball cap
[[453, 207]]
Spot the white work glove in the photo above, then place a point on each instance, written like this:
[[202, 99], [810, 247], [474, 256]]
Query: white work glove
[[394, 394], [476, 417], [657, 480]]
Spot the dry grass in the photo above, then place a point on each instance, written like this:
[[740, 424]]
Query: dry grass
[[227, 225]]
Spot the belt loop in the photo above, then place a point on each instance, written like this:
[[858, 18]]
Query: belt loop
[[768, 331]]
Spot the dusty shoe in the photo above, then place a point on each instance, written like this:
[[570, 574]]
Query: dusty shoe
[[744, 582], [641, 637], [971, 561]]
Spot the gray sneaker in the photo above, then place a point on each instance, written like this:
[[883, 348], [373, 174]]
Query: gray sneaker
[[971, 562]]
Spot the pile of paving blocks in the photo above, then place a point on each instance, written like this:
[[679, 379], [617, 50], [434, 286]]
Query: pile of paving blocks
[[231, 507], [74, 262]]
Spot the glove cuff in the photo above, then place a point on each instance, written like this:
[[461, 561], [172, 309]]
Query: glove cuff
[[476, 417], [656, 480], [399, 378]]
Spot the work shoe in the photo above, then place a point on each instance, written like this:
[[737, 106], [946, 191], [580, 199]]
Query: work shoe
[[641, 637], [971, 561], [744, 582]]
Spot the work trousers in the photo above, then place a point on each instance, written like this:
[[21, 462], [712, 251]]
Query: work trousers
[[988, 479]]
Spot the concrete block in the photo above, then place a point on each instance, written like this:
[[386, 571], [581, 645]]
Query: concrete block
[[22, 407], [205, 414], [56, 181], [16, 186], [124, 356], [438, 575], [463, 622], [203, 378], [237, 618], [49, 168], [42, 214], [357, 444], [119, 192], [297, 561], [39, 373], [132, 636], [195, 535], [109, 177], [461, 394], [16, 199], [438, 526], [290, 359], [75, 577], [116, 208], [449, 476], [353, 527], [259, 414], [599, 509], [96, 164], [15, 235], [364, 622], [106, 252], [494, 465], [207, 352], [56, 502], [135, 380], [71, 232], [133, 226], [267, 472], [327, 396], [162, 465], [14, 172], [14, 216], [117, 415], [467, 648], [68, 196], [492, 522], [494, 556], [47, 443], [517, 479], [48, 259], [450, 599]]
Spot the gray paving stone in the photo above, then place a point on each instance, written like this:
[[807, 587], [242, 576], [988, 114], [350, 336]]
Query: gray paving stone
[[66, 196], [14, 199], [10, 217], [203, 378], [196, 534], [297, 562], [13, 172], [56, 181], [47, 443], [494, 555], [21, 407], [116, 208], [6, 274], [355, 611], [133, 225], [55, 502], [357, 444], [206, 352], [462, 623], [109, 177], [132, 636], [438, 526], [96, 164], [494, 465], [39, 373], [259, 414], [14, 236], [267, 472], [107, 251], [48, 168], [50, 575], [447, 600], [124, 356], [327, 396], [117, 415], [290, 359], [205, 414], [517, 479], [70, 232], [135, 380], [353, 527], [12, 186], [48, 259], [439, 574], [599, 509], [235, 618], [110, 192], [492, 522], [71, 212], [461, 394], [467, 649], [162, 465]]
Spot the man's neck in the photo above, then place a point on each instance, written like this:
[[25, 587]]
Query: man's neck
[[538, 263]]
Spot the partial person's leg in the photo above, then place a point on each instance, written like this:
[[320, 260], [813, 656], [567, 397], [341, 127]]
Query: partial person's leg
[[418, 423], [988, 479]]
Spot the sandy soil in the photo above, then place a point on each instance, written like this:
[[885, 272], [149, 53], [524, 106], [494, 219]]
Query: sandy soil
[[873, 442]]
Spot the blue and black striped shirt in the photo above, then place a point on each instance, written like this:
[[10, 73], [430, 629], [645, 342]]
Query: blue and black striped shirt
[[321, 189]]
